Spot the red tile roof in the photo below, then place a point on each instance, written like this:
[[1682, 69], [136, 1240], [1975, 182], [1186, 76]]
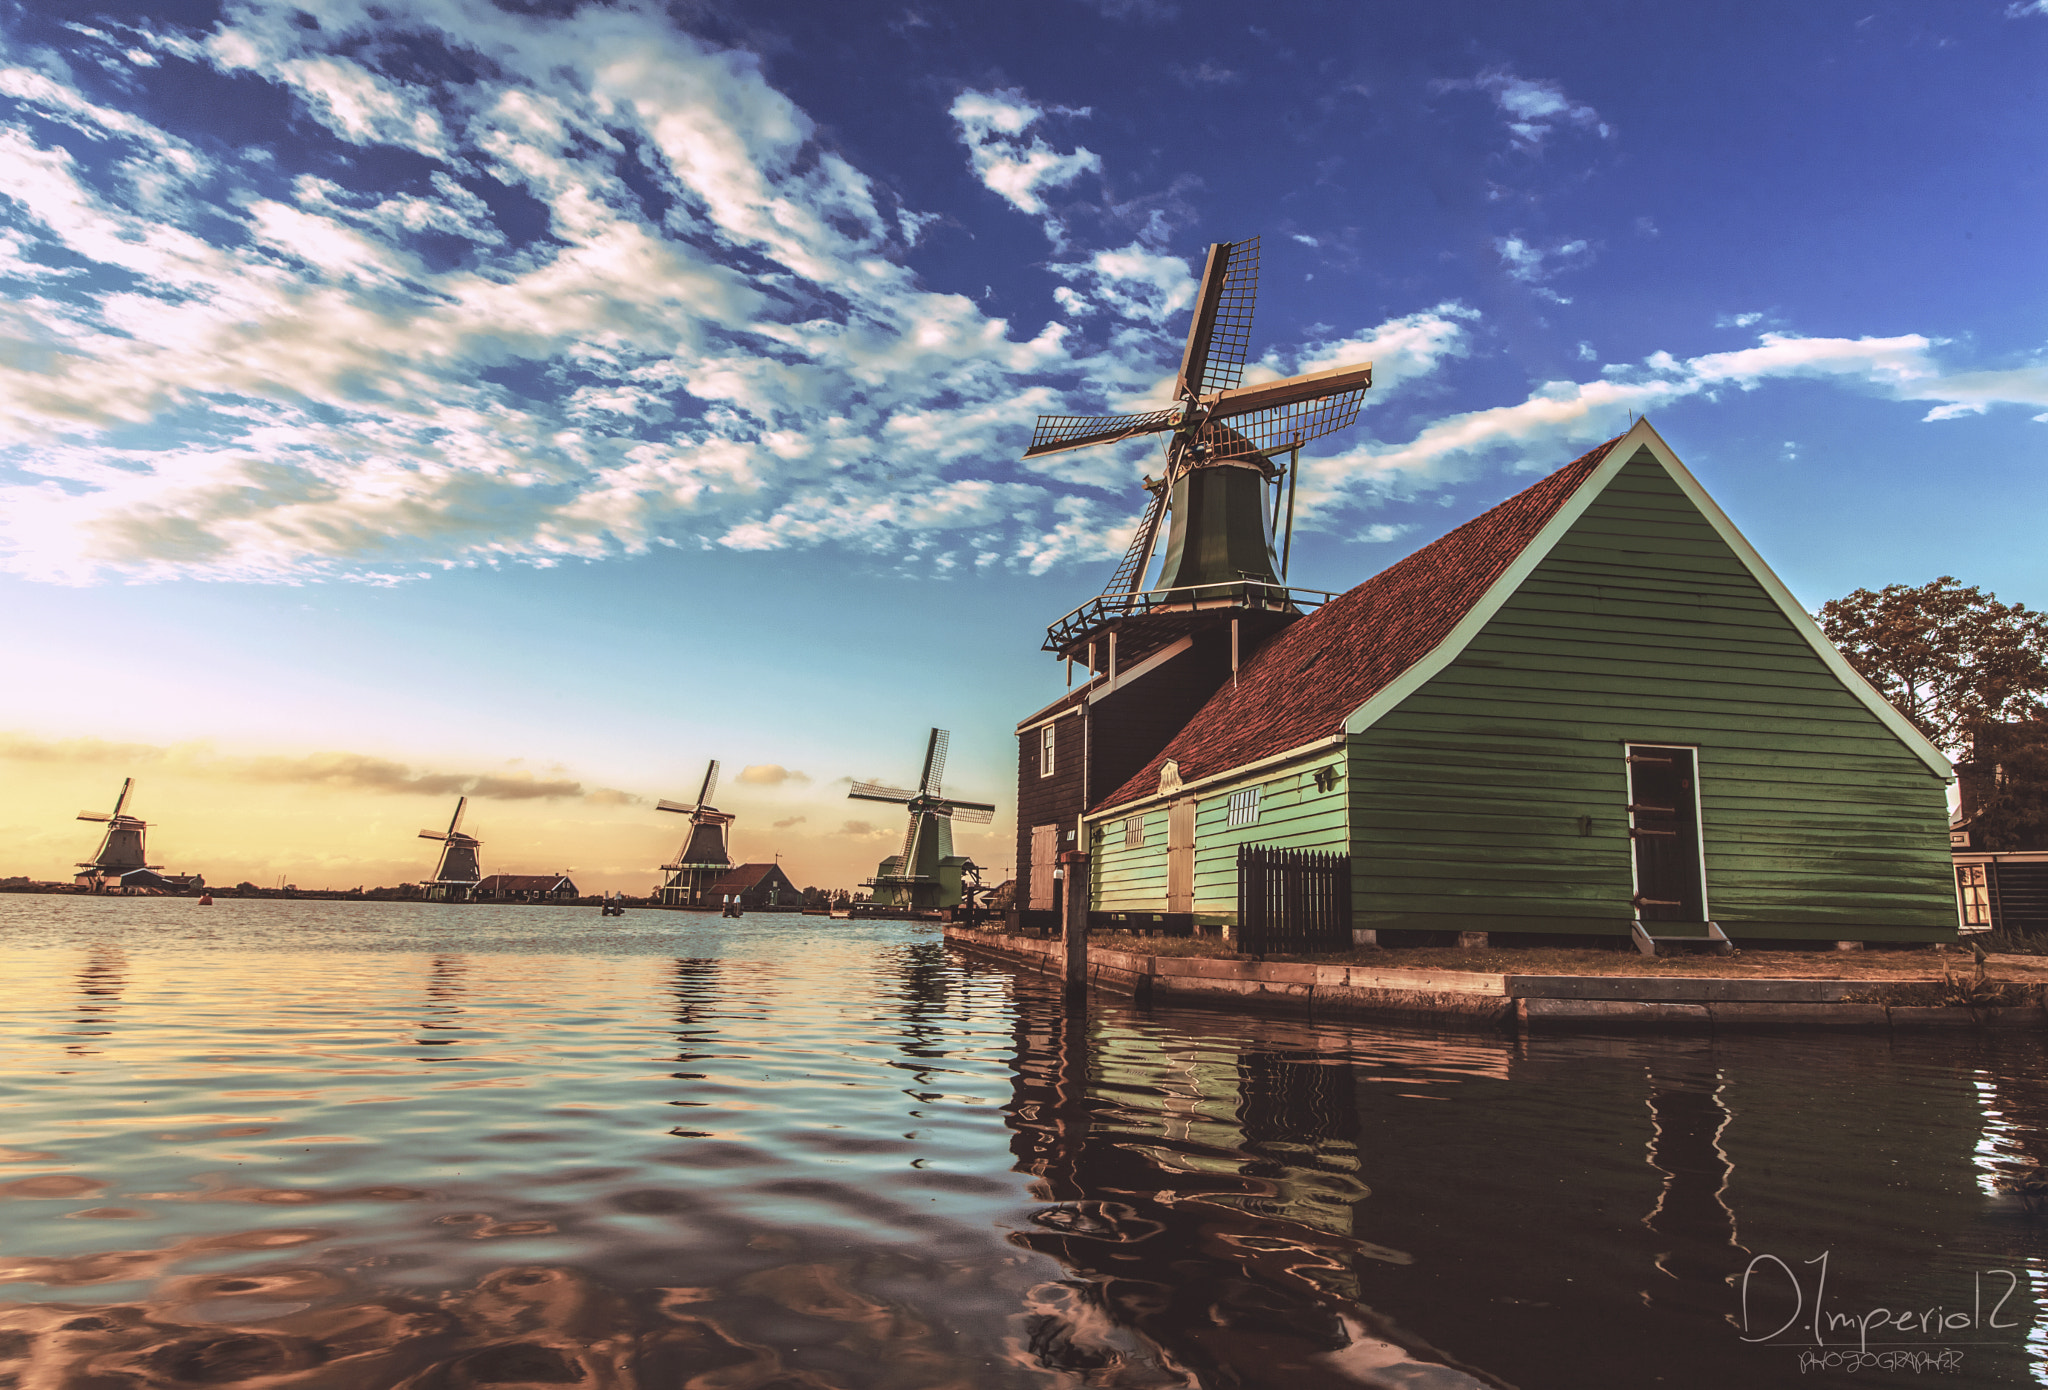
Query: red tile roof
[[1308, 680], [746, 877]]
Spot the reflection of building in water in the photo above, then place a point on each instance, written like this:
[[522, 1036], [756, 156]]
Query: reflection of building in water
[[100, 982], [1697, 1241], [1624, 1184], [1212, 1247]]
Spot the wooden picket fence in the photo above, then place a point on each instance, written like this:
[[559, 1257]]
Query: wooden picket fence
[[1292, 902]]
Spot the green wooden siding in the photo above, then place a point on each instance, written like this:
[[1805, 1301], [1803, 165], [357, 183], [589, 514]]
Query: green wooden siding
[[1642, 625], [1128, 880], [1292, 815]]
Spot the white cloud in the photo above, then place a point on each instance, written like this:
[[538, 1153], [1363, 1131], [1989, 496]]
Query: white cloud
[[710, 338], [1749, 320], [341, 400], [1534, 107], [771, 775], [1560, 415], [1531, 263], [1133, 282], [992, 126]]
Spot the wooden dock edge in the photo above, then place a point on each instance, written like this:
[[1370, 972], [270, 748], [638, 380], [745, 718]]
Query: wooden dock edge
[[1473, 999]]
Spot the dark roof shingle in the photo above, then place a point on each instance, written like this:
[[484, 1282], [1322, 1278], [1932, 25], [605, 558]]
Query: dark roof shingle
[[745, 877], [1304, 683]]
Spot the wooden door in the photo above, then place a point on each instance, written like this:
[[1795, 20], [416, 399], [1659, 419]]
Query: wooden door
[[1664, 834], [1180, 855], [1045, 857]]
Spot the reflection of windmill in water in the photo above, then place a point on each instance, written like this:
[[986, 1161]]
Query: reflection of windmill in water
[[704, 858], [459, 869], [1217, 1253], [121, 849], [927, 875], [100, 982]]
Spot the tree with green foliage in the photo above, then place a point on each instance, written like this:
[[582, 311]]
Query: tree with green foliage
[[1972, 674], [2009, 769], [1948, 657]]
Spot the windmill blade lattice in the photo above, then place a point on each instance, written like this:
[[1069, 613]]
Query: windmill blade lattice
[[1282, 427], [934, 763], [875, 791], [1229, 323], [1130, 571], [1058, 433]]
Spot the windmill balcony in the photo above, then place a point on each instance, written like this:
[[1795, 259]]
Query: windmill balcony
[[1128, 613]]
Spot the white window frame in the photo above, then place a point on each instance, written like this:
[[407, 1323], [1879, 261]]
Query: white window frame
[[1973, 896], [1048, 746], [1134, 832], [1243, 807]]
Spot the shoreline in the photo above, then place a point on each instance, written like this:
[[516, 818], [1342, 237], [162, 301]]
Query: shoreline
[[1471, 999]]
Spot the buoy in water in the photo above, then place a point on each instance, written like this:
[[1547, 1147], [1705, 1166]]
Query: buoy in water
[[206, 900]]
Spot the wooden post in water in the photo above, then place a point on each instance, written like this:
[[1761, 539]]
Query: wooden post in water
[[1074, 923]]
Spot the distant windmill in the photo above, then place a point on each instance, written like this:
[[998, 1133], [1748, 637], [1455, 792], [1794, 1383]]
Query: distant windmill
[[1222, 442], [927, 874], [459, 869], [703, 859], [121, 849]]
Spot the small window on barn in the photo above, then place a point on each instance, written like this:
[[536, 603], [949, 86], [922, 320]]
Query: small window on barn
[[1244, 807], [1974, 895], [1134, 832], [1045, 750]]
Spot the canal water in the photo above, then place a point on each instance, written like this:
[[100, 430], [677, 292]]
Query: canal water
[[373, 1145]]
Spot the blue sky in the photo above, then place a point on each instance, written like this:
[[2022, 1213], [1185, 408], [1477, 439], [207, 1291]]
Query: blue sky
[[396, 395]]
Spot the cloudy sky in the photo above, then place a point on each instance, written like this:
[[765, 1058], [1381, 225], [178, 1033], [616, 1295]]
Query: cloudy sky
[[537, 400]]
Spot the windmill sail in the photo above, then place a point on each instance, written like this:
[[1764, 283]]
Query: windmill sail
[[1216, 556], [123, 847], [926, 873], [459, 868], [704, 857], [1219, 337]]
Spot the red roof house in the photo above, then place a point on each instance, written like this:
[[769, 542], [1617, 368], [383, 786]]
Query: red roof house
[[1586, 712]]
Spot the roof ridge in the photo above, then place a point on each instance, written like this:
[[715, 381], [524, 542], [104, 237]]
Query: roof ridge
[[1365, 638]]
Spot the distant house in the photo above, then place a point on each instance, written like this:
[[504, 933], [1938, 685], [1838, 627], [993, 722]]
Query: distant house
[[756, 885], [1589, 711], [2002, 889], [524, 888], [152, 881]]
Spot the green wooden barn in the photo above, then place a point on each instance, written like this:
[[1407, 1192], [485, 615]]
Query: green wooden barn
[[1593, 707]]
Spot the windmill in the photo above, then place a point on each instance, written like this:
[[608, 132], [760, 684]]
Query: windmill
[[459, 870], [927, 874], [1222, 441], [703, 859], [121, 848]]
